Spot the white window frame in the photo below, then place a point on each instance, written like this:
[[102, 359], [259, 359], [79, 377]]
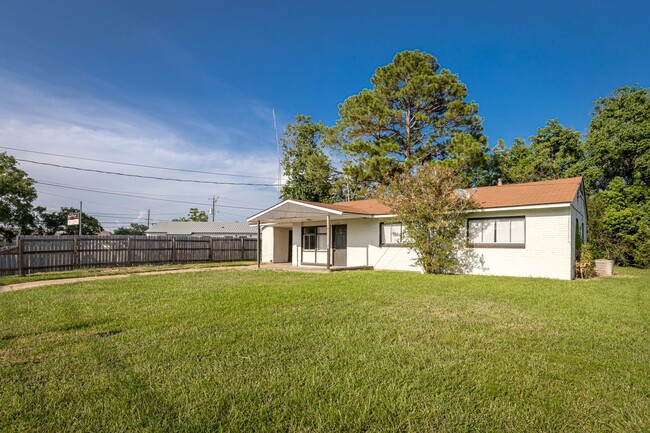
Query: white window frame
[[384, 242]]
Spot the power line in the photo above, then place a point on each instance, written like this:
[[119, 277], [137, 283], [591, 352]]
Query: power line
[[89, 201], [175, 201], [156, 214], [55, 185], [136, 165], [141, 176], [66, 186]]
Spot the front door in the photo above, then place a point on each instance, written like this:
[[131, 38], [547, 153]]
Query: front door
[[340, 245]]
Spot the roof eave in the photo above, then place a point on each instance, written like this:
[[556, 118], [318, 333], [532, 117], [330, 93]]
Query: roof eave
[[523, 207], [255, 218]]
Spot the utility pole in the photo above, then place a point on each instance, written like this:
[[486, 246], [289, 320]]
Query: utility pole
[[214, 202], [81, 205], [148, 216]]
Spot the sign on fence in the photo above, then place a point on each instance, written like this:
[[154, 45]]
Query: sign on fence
[[73, 220], [61, 253]]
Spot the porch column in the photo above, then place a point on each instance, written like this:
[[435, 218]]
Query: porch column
[[329, 240], [259, 244]]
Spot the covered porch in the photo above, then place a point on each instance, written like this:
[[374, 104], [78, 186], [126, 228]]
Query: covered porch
[[305, 234]]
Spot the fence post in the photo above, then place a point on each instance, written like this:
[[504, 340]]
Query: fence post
[[75, 252], [173, 250], [242, 254], [128, 251], [19, 256], [210, 254]]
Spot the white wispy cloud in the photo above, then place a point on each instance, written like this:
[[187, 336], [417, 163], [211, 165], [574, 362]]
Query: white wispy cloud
[[34, 116]]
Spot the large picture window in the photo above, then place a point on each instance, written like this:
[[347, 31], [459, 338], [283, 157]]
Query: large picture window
[[314, 238], [497, 232], [391, 233]]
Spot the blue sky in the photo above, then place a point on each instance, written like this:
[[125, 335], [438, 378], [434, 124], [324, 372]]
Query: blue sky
[[192, 85]]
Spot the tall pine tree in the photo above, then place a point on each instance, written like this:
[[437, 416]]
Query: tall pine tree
[[415, 113]]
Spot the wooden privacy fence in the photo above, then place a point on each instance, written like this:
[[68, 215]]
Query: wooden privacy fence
[[61, 253]]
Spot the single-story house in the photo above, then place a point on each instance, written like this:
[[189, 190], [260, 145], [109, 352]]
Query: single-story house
[[526, 229], [214, 229]]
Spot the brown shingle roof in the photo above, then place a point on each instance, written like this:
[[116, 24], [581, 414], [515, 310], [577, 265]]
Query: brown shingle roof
[[487, 197], [526, 194], [363, 207]]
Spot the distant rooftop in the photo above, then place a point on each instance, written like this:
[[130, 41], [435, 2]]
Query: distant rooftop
[[208, 228]]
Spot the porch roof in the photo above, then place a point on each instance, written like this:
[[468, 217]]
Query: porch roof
[[298, 210]]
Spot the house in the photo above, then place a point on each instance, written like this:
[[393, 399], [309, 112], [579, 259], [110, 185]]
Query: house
[[526, 230], [214, 229]]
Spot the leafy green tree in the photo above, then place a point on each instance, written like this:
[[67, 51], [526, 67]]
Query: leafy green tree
[[51, 223], [414, 113], [618, 144], [17, 193], [511, 164], [194, 215], [434, 232], [134, 229], [308, 170], [619, 224], [555, 152], [617, 168]]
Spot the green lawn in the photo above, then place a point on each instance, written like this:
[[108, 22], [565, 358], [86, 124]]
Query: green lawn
[[349, 351]]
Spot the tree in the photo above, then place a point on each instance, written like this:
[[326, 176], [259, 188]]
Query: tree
[[619, 224], [617, 168], [51, 223], [433, 216], [414, 113], [194, 215], [17, 193], [618, 144], [555, 152], [309, 173], [134, 229]]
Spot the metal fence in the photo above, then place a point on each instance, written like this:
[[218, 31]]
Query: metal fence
[[61, 253]]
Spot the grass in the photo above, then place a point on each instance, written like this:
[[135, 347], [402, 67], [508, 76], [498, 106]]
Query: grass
[[93, 272], [351, 351]]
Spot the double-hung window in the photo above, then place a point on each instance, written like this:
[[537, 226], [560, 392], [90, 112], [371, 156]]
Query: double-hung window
[[507, 232], [391, 233], [314, 238]]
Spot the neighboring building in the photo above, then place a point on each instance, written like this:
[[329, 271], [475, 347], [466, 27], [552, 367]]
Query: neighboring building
[[526, 230], [214, 229]]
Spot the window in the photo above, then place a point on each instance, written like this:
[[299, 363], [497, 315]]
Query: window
[[493, 232], [309, 238], [391, 233], [321, 238], [314, 238]]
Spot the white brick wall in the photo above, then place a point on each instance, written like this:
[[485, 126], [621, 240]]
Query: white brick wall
[[549, 249]]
